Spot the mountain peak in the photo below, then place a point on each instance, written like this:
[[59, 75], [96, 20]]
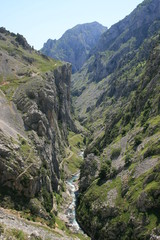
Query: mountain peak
[[75, 44]]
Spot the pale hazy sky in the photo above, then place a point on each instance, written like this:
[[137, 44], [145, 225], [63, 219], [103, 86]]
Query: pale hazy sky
[[39, 20]]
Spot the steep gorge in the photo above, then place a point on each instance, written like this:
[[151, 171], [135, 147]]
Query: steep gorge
[[116, 100]]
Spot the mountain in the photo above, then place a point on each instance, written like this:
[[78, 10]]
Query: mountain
[[34, 123], [75, 44], [116, 98]]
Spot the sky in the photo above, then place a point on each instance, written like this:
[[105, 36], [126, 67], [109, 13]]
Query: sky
[[39, 20]]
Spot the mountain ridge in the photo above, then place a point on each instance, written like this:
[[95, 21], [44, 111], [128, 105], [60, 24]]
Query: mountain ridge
[[116, 97], [75, 44]]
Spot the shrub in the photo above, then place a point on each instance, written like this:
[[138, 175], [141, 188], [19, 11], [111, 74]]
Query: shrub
[[145, 127], [137, 140], [19, 234], [128, 160], [109, 162], [23, 142], [113, 172], [96, 151], [104, 171], [84, 140], [48, 199], [25, 180], [1, 229], [115, 153], [127, 118], [152, 150], [52, 220]]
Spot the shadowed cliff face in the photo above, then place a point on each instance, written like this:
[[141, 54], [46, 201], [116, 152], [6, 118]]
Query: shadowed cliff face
[[34, 121]]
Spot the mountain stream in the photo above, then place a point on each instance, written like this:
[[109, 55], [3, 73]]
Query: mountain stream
[[72, 184]]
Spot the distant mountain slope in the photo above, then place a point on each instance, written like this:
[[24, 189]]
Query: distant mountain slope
[[117, 97], [75, 44], [119, 58]]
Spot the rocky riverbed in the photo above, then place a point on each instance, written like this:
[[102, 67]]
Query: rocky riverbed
[[68, 212], [72, 186]]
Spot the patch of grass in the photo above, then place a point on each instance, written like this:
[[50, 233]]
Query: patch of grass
[[62, 226], [74, 163], [154, 120], [123, 217], [99, 192], [151, 187], [10, 87], [19, 234], [26, 150], [44, 64], [76, 144], [152, 222], [76, 140], [152, 150]]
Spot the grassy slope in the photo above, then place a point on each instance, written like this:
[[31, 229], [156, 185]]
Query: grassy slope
[[23, 64], [129, 108], [73, 161]]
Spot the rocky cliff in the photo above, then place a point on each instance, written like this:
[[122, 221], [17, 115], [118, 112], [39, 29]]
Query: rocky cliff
[[34, 122], [75, 44]]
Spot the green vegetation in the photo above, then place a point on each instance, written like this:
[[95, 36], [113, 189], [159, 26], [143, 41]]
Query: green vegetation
[[31, 64], [105, 170], [133, 123], [61, 225], [128, 159], [137, 140], [19, 234], [76, 145], [115, 153], [48, 199], [116, 96]]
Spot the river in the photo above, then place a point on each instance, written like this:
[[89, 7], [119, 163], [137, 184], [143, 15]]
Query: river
[[71, 212]]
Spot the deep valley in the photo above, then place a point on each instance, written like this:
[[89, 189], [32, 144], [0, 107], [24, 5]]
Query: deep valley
[[80, 140]]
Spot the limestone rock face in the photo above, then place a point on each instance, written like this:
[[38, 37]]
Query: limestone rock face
[[45, 106], [34, 122]]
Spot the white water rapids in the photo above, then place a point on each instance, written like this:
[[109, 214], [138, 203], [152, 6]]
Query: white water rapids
[[71, 213]]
